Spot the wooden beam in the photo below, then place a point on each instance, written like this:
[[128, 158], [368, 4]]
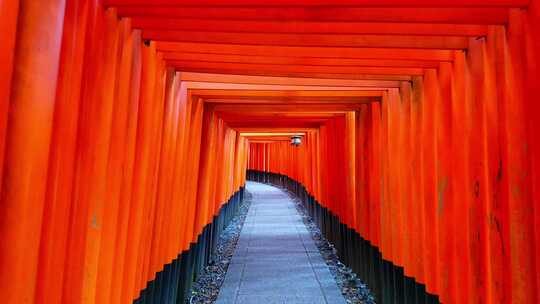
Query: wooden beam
[[266, 133], [299, 51], [256, 110], [275, 123], [268, 87], [245, 79], [299, 27], [276, 130], [299, 102], [305, 69], [290, 95], [427, 14], [352, 62], [325, 3], [268, 138], [345, 77], [318, 40]]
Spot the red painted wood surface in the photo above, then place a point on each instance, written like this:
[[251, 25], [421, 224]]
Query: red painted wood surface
[[125, 124], [28, 124]]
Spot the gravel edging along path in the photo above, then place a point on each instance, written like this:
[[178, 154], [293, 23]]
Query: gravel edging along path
[[352, 288], [206, 288]]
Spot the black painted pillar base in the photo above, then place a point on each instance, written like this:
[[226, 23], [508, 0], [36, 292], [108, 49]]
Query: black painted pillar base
[[172, 285]]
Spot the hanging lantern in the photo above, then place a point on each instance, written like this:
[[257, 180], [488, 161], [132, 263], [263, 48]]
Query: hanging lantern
[[296, 140]]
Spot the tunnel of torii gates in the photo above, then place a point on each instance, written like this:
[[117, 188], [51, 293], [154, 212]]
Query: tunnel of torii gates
[[128, 128]]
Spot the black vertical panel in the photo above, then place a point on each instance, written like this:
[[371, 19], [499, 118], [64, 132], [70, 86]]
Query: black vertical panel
[[175, 276], [410, 291], [420, 294], [399, 281], [183, 276], [163, 284], [377, 272], [388, 287], [432, 299]]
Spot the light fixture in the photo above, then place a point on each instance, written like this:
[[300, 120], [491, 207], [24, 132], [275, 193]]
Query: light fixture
[[296, 140]]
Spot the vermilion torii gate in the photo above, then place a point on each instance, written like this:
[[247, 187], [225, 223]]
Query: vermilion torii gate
[[127, 128]]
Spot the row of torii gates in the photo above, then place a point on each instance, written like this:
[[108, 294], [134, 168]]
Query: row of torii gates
[[128, 126]]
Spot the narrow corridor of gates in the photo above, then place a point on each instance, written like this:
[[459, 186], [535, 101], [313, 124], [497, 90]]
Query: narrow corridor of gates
[[408, 129]]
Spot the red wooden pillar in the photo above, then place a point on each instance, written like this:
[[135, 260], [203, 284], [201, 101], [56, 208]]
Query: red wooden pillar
[[251, 156], [386, 213], [481, 162], [144, 272], [61, 170], [429, 151], [170, 222], [126, 199], [238, 157], [181, 178], [417, 175], [228, 171], [349, 163], [116, 156], [219, 179], [374, 176], [260, 157], [532, 55], [206, 169], [323, 160], [499, 287], [141, 172], [74, 270], [409, 218], [394, 189], [516, 156], [462, 189], [446, 209], [313, 163], [244, 162], [162, 190], [100, 98], [9, 11], [363, 141], [192, 163], [30, 121], [176, 201]]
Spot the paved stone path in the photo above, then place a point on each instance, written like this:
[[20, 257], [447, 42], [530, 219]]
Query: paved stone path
[[276, 260]]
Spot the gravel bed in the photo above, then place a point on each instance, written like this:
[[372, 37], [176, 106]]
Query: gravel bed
[[206, 288], [352, 288]]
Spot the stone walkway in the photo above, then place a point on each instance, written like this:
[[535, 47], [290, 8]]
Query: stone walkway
[[276, 260]]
